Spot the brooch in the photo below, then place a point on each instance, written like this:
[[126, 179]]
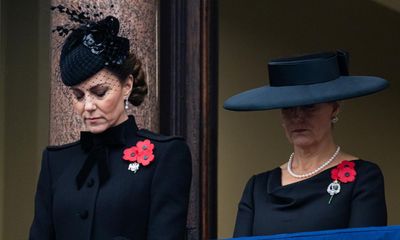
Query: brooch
[[343, 173], [141, 154]]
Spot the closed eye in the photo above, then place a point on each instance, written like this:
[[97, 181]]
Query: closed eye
[[309, 108], [78, 94], [99, 91], [100, 94]]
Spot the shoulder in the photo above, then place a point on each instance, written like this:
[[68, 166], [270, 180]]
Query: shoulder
[[55, 148], [364, 165], [265, 175], [256, 186], [261, 179], [172, 154], [163, 142], [157, 137], [58, 158], [166, 145], [368, 172]]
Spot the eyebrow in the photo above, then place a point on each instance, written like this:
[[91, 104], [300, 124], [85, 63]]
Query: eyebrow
[[90, 89]]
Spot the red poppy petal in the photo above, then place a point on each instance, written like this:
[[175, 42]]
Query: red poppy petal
[[145, 159], [351, 171], [351, 178], [151, 146], [130, 154], [334, 174], [141, 153], [139, 145], [143, 162], [346, 164], [147, 152], [346, 175], [347, 179], [151, 158], [145, 145]]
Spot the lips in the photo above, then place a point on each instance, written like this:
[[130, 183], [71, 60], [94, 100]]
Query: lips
[[92, 119], [299, 130]]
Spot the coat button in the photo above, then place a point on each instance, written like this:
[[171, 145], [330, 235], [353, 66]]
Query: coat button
[[84, 214], [90, 183]]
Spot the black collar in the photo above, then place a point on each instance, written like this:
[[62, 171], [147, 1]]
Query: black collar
[[114, 136], [98, 144]]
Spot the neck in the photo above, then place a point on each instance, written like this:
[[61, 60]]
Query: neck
[[310, 157]]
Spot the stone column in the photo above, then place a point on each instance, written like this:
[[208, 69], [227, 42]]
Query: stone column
[[139, 24]]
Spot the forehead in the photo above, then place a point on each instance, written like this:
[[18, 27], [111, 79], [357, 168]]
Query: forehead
[[102, 78]]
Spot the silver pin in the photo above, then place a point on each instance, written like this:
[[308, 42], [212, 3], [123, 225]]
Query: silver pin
[[333, 188], [134, 167]]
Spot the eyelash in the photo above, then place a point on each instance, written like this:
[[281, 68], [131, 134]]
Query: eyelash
[[101, 94], [80, 97], [309, 106]]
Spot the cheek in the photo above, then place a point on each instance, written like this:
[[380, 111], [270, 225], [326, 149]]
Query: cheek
[[322, 126], [78, 107], [112, 104], [285, 125], [285, 119]]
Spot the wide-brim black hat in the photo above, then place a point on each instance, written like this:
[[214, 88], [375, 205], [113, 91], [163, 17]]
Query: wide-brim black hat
[[305, 80]]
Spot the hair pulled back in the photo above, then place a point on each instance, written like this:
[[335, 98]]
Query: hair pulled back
[[132, 66]]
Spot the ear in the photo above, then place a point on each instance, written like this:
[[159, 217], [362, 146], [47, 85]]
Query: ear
[[127, 86], [336, 108]]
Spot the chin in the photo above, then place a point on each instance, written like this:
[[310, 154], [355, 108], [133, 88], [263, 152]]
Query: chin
[[97, 129], [302, 141]]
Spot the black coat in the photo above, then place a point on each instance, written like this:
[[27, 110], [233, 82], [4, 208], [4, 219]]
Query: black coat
[[149, 204], [267, 207]]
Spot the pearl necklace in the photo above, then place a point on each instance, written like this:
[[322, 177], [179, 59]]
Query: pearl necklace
[[289, 166]]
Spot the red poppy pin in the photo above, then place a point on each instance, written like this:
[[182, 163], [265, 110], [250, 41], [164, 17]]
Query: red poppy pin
[[343, 173], [141, 154]]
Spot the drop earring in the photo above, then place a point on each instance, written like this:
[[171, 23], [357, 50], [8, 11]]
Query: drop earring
[[126, 104], [335, 119]]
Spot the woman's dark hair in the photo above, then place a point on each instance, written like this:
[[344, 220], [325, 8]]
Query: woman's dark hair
[[132, 65]]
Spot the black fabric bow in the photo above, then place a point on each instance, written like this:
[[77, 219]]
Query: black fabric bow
[[98, 146]]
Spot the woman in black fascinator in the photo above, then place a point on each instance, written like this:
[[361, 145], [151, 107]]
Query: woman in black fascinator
[[117, 181]]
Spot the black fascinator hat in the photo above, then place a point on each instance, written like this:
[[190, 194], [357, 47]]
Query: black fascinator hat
[[305, 80], [91, 47]]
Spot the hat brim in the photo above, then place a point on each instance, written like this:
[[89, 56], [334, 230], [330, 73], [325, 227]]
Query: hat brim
[[267, 97]]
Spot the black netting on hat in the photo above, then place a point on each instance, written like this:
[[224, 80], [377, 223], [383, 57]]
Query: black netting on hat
[[79, 64], [90, 48]]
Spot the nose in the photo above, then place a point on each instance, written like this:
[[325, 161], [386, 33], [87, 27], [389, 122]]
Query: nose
[[89, 105], [297, 113]]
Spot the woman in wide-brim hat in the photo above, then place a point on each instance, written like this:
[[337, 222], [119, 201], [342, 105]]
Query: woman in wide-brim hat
[[117, 181], [321, 186]]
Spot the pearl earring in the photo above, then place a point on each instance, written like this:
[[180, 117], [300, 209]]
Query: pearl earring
[[126, 104], [335, 119]]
